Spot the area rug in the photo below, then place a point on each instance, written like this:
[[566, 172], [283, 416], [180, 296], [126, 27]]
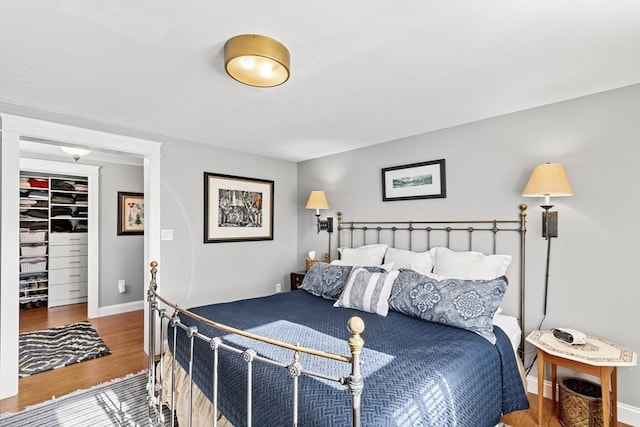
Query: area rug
[[54, 348], [120, 402]]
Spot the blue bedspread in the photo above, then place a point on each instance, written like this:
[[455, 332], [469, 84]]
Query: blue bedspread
[[416, 373]]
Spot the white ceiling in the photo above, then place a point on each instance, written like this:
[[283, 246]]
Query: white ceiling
[[362, 72]]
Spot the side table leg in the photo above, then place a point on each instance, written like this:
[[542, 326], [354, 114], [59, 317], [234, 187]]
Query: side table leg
[[614, 394], [540, 385], [554, 381], [605, 380]]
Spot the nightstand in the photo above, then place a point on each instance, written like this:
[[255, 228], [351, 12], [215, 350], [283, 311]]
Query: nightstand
[[598, 357], [296, 279]]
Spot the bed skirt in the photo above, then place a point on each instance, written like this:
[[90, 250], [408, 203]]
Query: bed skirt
[[202, 407]]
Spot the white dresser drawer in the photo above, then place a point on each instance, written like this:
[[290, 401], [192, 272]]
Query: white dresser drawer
[[67, 275], [67, 250], [67, 262], [67, 239], [70, 290]]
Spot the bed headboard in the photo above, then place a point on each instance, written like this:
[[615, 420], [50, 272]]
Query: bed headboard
[[487, 236]]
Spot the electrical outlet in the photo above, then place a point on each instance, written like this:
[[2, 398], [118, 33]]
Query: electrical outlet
[[122, 286], [278, 287]]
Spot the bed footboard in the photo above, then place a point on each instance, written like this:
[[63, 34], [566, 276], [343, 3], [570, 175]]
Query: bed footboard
[[159, 324]]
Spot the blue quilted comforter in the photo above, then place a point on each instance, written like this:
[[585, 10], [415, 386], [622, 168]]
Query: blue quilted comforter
[[416, 373]]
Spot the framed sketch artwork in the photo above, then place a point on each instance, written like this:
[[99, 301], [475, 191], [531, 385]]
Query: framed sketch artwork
[[237, 209], [130, 213], [424, 180]]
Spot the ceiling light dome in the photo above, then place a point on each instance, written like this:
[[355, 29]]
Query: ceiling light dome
[[256, 60], [75, 152]]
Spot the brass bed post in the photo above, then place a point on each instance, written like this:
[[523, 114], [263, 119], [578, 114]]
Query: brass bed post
[[355, 382], [523, 232], [151, 345]]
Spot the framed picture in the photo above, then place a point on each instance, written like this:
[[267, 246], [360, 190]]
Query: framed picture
[[424, 180], [237, 209], [130, 213]]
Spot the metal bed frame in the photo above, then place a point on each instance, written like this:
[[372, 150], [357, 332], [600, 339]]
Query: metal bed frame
[[371, 232], [295, 369], [353, 383]]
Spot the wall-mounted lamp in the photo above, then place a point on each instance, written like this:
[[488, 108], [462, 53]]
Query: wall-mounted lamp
[[256, 60], [318, 200], [548, 180], [74, 152]]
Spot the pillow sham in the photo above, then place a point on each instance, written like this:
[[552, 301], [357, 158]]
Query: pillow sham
[[367, 291], [326, 280], [470, 265], [422, 262], [466, 304], [387, 266], [363, 255]]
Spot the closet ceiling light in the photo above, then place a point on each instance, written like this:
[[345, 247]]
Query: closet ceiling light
[[74, 152], [256, 60]]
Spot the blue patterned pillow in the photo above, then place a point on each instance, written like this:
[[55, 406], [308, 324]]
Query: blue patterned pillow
[[466, 304], [326, 280]]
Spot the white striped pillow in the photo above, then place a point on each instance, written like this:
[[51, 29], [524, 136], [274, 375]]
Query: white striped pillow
[[366, 291]]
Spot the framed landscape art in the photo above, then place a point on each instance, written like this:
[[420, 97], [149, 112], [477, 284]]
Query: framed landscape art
[[424, 180], [237, 209]]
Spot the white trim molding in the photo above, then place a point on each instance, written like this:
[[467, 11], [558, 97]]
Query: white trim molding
[[126, 307], [13, 129]]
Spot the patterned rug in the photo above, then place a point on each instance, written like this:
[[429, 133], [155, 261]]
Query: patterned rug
[[54, 348], [121, 402]]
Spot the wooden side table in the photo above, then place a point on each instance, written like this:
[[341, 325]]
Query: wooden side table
[[296, 279], [598, 357]]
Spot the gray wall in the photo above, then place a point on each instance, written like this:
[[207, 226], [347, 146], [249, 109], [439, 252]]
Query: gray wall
[[121, 257], [594, 265], [195, 273]]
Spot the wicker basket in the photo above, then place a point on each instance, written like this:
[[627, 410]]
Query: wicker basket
[[32, 237], [33, 250], [580, 403], [33, 266]]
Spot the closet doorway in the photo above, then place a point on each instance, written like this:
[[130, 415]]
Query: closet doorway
[[15, 128]]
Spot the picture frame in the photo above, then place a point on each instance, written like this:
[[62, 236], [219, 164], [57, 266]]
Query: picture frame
[[130, 213], [237, 209], [424, 180]]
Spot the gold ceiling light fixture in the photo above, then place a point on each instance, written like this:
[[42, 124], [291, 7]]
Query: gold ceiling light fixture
[[256, 60]]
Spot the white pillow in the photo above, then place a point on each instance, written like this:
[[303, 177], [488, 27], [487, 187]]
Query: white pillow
[[388, 266], [422, 262], [366, 291], [468, 265], [364, 255]]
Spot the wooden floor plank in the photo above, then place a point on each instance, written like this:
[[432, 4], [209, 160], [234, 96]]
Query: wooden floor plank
[[123, 334]]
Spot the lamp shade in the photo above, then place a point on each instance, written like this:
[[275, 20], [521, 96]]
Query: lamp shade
[[256, 60], [548, 180], [317, 200]]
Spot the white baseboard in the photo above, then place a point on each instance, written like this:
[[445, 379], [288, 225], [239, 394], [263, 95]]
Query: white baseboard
[[120, 308], [626, 413]]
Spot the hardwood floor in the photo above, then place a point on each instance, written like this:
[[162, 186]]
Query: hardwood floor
[[123, 333]]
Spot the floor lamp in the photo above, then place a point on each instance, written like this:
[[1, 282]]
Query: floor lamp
[[548, 180]]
